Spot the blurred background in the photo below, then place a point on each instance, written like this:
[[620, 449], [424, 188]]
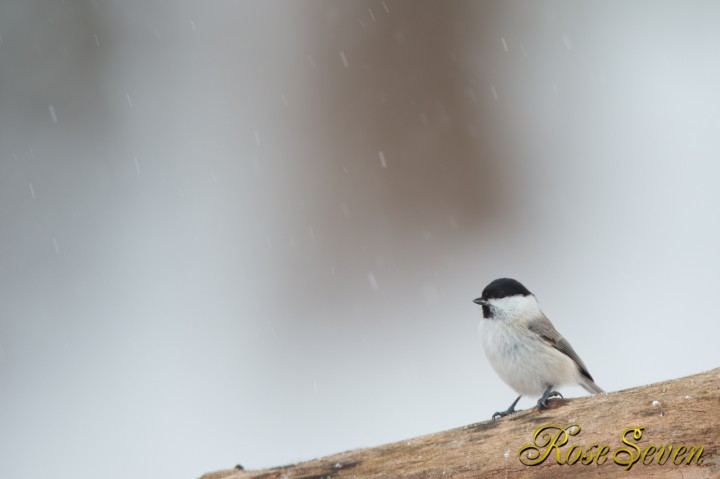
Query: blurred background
[[251, 232]]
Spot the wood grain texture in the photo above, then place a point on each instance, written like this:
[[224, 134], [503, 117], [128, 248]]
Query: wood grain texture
[[683, 411]]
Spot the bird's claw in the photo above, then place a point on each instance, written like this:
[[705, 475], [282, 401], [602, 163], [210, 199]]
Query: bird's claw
[[542, 402], [504, 413]]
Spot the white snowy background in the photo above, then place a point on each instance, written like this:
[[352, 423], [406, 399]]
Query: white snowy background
[[251, 232]]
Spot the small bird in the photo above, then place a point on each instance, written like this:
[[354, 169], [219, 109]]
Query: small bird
[[523, 346]]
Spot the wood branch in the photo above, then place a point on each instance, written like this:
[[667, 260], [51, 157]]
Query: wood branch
[[684, 413]]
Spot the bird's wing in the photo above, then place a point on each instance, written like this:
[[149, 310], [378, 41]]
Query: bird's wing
[[547, 332]]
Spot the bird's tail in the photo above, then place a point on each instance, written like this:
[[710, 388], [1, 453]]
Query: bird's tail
[[590, 386]]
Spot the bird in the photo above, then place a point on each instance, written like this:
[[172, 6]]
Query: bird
[[524, 348]]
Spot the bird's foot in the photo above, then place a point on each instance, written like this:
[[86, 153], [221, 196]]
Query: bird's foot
[[508, 411], [504, 413], [542, 402]]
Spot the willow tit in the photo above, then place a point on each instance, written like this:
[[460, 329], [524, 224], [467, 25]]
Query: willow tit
[[523, 346]]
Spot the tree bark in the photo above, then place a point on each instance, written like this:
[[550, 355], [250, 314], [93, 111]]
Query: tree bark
[[683, 412]]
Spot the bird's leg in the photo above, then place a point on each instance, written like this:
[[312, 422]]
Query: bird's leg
[[508, 411], [542, 402]]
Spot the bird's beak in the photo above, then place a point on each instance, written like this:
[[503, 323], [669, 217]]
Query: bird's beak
[[480, 301]]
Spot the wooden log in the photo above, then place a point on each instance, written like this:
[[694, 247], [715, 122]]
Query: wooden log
[[683, 413]]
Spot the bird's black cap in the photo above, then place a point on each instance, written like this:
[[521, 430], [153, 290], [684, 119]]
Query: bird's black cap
[[504, 287]]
